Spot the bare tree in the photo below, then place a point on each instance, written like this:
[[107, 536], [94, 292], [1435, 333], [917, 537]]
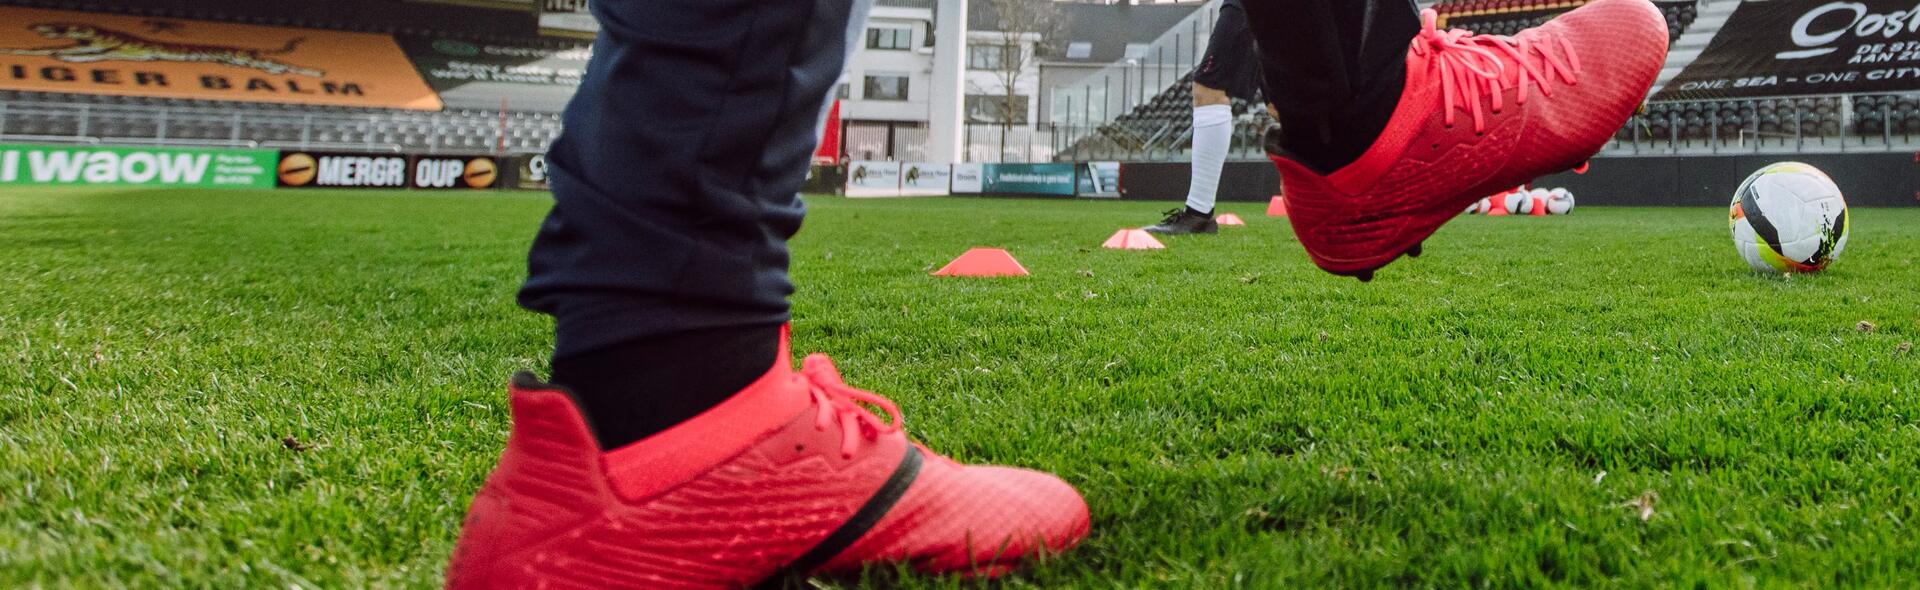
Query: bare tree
[[1025, 31]]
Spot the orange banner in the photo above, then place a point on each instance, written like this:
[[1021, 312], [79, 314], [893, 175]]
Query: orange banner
[[86, 53]]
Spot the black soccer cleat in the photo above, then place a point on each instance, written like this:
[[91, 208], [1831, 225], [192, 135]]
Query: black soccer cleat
[[1185, 221]]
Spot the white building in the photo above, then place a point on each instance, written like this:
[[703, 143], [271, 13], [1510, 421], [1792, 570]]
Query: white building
[[884, 109]]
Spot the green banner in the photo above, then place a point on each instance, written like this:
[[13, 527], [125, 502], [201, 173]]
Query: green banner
[[136, 166], [1028, 179]]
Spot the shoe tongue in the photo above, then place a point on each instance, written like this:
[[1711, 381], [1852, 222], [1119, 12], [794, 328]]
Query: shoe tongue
[[819, 367]]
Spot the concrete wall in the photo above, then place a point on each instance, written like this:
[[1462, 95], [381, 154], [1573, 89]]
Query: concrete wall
[[1868, 180], [1240, 181]]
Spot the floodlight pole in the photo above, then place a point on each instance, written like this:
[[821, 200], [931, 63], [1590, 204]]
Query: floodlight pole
[[945, 142]]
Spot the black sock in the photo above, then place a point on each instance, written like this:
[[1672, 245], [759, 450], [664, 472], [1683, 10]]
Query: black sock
[[1329, 142], [1334, 70], [635, 389], [1199, 212]]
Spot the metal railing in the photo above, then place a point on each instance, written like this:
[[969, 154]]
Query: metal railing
[[1117, 90], [1787, 125], [269, 126]]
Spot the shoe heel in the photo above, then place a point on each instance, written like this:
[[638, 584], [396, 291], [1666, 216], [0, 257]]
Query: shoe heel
[[549, 478]]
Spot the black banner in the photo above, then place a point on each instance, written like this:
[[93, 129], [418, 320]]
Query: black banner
[[447, 64], [1800, 47], [455, 172], [342, 170]]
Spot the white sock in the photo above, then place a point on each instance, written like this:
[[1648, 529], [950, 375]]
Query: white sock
[[1212, 137]]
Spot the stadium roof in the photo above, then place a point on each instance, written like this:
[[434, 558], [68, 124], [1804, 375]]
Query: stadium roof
[[1107, 28]]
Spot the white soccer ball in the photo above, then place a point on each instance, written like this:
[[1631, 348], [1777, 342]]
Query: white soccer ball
[[1789, 217], [1538, 198], [1472, 209], [1560, 202], [1482, 207], [1519, 202]]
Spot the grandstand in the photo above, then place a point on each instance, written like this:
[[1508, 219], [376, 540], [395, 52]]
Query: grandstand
[[506, 104], [1139, 110], [1158, 127], [96, 119]]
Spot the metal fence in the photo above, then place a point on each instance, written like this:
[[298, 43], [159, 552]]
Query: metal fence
[[272, 126], [1786, 125], [1807, 124], [987, 142], [1811, 124], [1127, 90]]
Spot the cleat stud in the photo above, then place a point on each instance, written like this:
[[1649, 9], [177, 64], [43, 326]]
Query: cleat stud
[[1414, 252], [1365, 276]]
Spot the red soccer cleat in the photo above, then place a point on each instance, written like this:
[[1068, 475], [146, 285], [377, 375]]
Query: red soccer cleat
[[1478, 114], [790, 476]]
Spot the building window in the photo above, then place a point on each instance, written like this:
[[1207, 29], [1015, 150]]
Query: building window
[[1079, 50], [886, 87], [841, 91], [889, 38], [994, 108], [986, 57]]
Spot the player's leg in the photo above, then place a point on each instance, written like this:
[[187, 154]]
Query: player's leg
[[1391, 125], [1333, 71], [1212, 137], [1223, 73], [680, 449]]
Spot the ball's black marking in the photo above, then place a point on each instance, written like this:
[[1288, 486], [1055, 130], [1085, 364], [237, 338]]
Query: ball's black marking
[[1762, 227]]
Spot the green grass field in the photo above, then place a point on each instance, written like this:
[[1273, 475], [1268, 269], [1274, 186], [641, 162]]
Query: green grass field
[[302, 389]]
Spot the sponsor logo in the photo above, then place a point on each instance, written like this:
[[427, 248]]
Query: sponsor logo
[[455, 172], [1816, 32], [1035, 178], [131, 166], [93, 44], [480, 173], [94, 53], [533, 171], [299, 169], [537, 168], [455, 48]]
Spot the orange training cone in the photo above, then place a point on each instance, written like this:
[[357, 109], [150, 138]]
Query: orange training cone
[[1132, 239], [983, 262], [1499, 203], [1539, 207], [1228, 219], [1277, 207]]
